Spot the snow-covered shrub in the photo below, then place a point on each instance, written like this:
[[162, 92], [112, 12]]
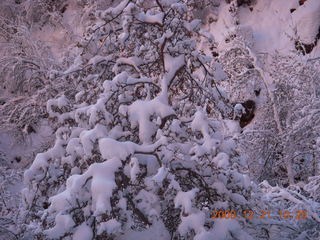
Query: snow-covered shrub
[[297, 100], [141, 148], [24, 67], [145, 146], [30, 72]]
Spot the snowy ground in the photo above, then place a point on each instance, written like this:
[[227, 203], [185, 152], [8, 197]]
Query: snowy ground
[[271, 26]]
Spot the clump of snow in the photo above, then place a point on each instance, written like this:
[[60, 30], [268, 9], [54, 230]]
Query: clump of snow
[[40, 164], [74, 147], [83, 232], [63, 225], [210, 144], [193, 222], [184, 200], [220, 188], [221, 160], [239, 110], [134, 169], [161, 175], [112, 12], [112, 226], [149, 18], [172, 65], [102, 185], [60, 102], [89, 137], [200, 123], [98, 59], [133, 61], [110, 148], [140, 112], [238, 199]]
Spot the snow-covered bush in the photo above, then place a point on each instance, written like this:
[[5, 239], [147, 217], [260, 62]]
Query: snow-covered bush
[[297, 101], [27, 63], [145, 142], [24, 67], [142, 146]]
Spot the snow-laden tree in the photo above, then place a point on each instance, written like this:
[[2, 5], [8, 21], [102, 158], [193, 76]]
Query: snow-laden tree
[[27, 60], [286, 92], [244, 82], [145, 143], [25, 65], [285, 134], [141, 147], [297, 103]]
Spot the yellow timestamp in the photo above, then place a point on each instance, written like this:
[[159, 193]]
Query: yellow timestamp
[[262, 214]]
